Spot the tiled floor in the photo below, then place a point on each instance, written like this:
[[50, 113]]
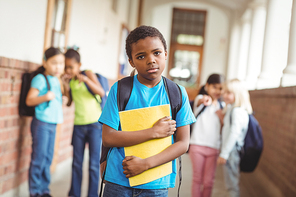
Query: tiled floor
[[60, 183]]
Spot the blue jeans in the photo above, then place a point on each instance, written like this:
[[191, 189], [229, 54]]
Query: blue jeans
[[91, 133], [232, 173], [43, 138], [112, 190]]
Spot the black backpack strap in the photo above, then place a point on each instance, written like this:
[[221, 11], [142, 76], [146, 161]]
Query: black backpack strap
[[220, 104], [48, 86], [175, 96], [124, 90], [94, 95]]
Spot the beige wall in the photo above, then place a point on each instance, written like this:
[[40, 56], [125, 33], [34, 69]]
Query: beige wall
[[159, 14]]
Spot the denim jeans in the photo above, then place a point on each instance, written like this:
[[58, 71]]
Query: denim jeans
[[232, 173], [43, 138], [112, 190], [91, 133]]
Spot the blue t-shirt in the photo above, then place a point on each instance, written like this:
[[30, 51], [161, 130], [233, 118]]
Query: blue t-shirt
[[141, 96], [52, 112]]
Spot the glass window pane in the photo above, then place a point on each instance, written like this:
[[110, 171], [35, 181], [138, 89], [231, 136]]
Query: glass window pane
[[60, 9], [185, 68]]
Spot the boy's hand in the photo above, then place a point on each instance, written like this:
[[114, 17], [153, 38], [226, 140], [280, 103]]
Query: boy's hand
[[221, 161], [133, 166], [206, 100], [49, 96], [164, 127]]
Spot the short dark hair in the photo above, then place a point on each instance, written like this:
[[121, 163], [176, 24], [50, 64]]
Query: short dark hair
[[50, 52], [212, 79], [139, 33], [73, 54]]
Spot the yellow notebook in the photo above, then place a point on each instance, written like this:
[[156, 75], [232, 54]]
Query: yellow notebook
[[144, 118]]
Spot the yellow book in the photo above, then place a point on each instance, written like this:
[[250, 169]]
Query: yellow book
[[144, 118]]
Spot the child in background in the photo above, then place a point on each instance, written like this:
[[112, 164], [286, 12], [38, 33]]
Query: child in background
[[48, 113], [205, 136], [234, 131], [87, 129], [147, 52]]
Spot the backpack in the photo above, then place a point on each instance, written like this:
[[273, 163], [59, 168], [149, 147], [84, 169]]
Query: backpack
[[253, 146], [105, 85], [24, 109], [124, 90]]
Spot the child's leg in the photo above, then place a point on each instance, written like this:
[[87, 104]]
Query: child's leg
[[198, 161], [232, 173], [94, 139], [48, 159], [209, 171], [40, 135], [78, 142]]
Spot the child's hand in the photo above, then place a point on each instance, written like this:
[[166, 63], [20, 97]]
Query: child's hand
[[221, 161], [133, 166], [66, 78], [164, 127], [49, 96], [206, 100], [82, 78]]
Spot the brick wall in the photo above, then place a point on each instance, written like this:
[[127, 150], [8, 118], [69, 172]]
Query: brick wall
[[275, 109], [15, 137]]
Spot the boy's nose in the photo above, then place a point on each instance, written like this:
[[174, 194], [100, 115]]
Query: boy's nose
[[151, 60]]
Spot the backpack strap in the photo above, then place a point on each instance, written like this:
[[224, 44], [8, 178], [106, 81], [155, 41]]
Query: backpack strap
[[94, 95], [48, 85], [124, 90], [175, 96]]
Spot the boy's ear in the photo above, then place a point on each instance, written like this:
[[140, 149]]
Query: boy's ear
[[166, 55], [79, 64], [131, 63]]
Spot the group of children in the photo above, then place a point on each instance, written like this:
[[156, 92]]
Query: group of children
[[215, 118], [147, 52]]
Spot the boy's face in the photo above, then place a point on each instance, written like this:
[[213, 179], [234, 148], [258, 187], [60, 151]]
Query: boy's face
[[148, 58]]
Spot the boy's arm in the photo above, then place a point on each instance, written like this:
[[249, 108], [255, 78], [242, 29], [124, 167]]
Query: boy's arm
[[134, 165], [94, 84], [33, 99], [164, 127]]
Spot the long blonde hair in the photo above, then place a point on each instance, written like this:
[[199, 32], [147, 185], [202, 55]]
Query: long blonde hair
[[241, 94]]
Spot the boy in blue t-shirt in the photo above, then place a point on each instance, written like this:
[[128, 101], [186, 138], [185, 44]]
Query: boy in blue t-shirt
[[147, 52]]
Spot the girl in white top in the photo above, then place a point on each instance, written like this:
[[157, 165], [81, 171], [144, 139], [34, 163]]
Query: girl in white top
[[205, 136], [236, 121]]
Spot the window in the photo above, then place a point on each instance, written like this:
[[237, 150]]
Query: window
[[57, 24], [187, 41]]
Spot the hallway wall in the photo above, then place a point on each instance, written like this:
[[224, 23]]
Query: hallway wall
[[15, 135], [275, 110]]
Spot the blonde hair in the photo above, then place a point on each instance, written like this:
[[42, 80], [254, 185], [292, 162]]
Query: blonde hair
[[241, 94]]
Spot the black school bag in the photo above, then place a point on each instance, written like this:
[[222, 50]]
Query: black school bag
[[25, 110], [124, 90], [253, 146]]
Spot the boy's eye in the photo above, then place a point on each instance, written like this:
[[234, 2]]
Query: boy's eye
[[157, 53], [140, 57]]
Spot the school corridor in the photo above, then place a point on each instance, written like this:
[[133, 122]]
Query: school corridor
[[252, 40], [61, 183]]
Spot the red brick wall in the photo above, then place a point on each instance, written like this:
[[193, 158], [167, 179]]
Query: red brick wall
[[275, 109], [15, 137]]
